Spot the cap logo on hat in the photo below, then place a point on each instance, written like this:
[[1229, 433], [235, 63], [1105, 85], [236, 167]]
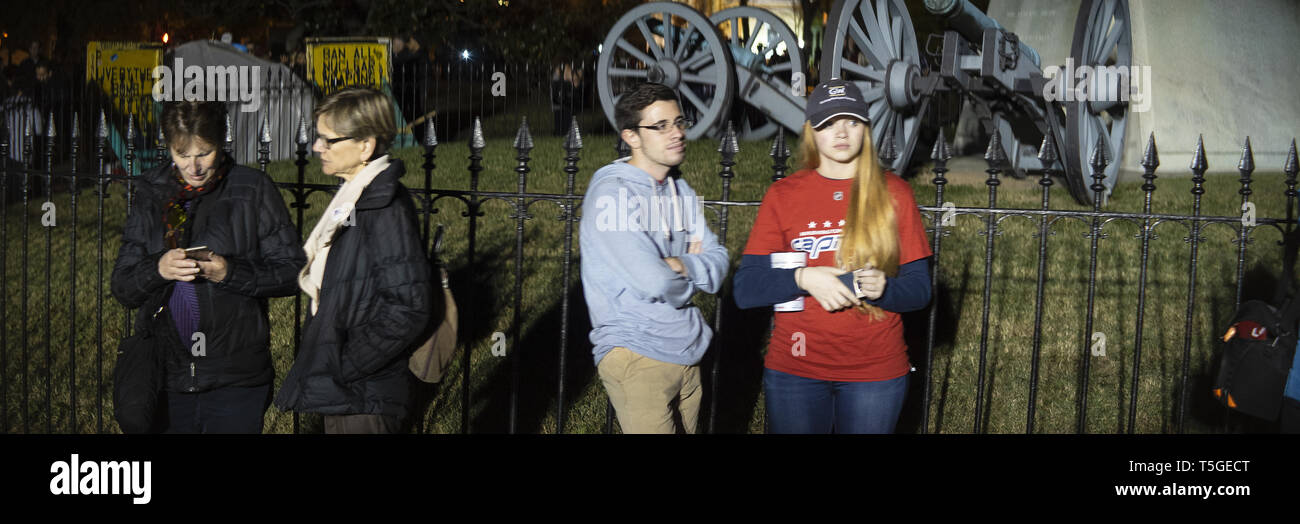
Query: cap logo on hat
[[836, 91]]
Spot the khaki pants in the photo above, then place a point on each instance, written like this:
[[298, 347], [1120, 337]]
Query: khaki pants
[[643, 391]]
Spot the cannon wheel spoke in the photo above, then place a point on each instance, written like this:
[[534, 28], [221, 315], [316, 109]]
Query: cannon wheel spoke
[[874, 75], [686, 40], [629, 73], [650, 39], [875, 56], [637, 53]]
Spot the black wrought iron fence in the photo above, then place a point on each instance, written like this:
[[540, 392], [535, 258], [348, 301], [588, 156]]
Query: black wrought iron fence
[[110, 172]]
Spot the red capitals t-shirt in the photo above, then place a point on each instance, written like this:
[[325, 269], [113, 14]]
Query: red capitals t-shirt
[[806, 212]]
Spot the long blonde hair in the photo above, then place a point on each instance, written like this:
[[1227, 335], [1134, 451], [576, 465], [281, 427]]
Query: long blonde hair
[[871, 227]]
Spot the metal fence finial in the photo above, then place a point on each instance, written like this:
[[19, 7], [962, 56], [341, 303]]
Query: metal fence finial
[[1198, 156], [1047, 151], [940, 150], [1290, 167], [49, 129], [264, 132], [230, 133], [889, 150], [1150, 157], [573, 140], [728, 146], [476, 141], [102, 131], [1247, 162], [303, 136], [523, 137], [430, 133], [994, 154], [1100, 157]]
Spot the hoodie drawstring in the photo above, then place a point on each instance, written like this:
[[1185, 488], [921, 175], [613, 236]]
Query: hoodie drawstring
[[677, 209]]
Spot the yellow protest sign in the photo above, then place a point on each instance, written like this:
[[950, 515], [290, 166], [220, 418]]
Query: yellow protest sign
[[124, 71], [337, 62]]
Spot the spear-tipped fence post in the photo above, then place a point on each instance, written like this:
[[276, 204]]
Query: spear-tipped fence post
[[572, 147], [1047, 156], [995, 158], [264, 143], [430, 153], [1245, 167], [1098, 161], [728, 148], [1198, 168], [940, 155], [476, 146], [523, 146]]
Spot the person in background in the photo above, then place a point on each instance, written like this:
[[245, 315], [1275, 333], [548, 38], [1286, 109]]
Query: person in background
[[219, 372], [411, 71], [840, 363]]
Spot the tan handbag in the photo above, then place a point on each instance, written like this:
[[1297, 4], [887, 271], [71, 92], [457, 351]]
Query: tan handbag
[[431, 360]]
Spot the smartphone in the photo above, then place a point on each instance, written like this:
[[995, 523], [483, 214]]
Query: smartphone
[[199, 253]]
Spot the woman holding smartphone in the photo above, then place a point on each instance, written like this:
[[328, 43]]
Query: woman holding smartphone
[[242, 248], [840, 364], [367, 276]]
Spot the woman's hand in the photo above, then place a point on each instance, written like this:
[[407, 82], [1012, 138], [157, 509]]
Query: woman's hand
[[174, 266], [214, 269], [823, 284], [871, 281]]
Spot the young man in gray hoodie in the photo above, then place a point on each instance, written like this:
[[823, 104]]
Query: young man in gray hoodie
[[646, 250]]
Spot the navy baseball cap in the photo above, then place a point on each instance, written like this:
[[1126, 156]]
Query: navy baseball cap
[[835, 98]]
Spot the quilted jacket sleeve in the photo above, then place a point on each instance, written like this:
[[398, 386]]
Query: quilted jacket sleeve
[[135, 274], [275, 274], [404, 289]]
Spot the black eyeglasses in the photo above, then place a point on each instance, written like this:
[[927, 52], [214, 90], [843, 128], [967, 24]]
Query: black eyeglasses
[[663, 125], [331, 141]]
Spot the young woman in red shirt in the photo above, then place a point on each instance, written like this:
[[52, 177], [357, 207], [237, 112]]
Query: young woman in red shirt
[[839, 364]]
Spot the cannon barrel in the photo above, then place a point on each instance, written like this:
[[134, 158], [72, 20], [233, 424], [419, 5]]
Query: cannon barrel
[[971, 23]]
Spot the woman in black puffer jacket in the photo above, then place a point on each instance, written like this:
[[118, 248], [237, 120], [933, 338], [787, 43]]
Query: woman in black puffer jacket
[[219, 369], [367, 276]]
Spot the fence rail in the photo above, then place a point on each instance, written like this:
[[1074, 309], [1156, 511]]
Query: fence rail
[[104, 174]]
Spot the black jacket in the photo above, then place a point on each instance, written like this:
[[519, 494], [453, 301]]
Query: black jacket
[[243, 220], [374, 310]]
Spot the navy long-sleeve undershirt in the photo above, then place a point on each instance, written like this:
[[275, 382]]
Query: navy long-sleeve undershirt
[[757, 284]]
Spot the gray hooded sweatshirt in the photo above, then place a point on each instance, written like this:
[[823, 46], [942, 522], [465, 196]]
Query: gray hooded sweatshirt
[[630, 223]]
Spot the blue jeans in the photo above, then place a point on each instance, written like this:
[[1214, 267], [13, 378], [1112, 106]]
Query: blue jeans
[[801, 405]]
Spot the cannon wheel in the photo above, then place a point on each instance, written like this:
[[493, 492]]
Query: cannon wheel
[[761, 26], [677, 46], [885, 64], [1103, 36]]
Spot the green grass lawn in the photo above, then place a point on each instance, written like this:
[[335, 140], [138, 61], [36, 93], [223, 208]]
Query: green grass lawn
[[485, 293]]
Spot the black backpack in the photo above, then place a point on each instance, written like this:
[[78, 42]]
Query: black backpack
[[1259, 346]]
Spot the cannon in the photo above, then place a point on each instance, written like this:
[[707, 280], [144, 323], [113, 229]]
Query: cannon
[[873, 43], [739, 51]]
